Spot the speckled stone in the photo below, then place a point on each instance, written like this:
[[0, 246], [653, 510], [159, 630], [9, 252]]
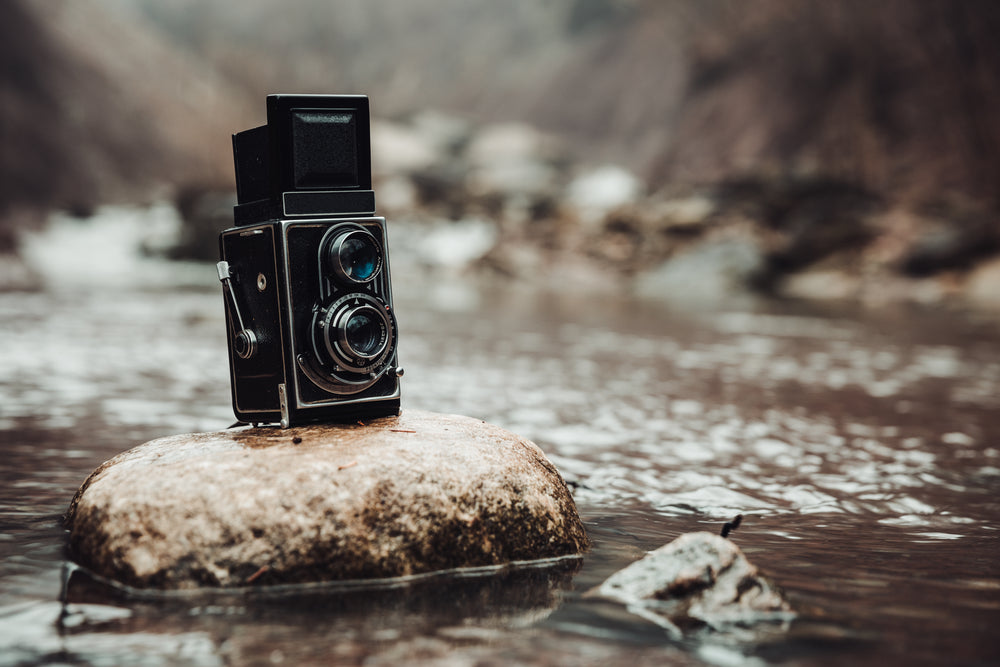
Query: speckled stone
[[253, 506], [698, 579]]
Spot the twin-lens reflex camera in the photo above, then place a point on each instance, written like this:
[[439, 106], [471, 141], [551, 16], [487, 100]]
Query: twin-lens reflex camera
[[305, 269]]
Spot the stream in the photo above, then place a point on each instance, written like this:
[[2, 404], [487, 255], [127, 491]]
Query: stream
[[861, 447]]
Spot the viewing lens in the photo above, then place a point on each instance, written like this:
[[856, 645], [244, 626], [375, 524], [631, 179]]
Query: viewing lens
[[360, 257], [363, 333], [354, 255]]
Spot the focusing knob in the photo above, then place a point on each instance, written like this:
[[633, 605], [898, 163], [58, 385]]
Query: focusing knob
[[245, 344]]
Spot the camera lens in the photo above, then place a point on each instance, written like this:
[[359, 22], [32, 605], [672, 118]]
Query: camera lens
[[363, 333], [360, 258], [355, 256], [354, 334]]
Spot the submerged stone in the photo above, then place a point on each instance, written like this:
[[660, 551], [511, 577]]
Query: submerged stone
[[698, 579], [396, 496]]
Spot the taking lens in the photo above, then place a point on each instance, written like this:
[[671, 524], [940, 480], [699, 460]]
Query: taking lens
[[354, 334], [363, 333], [355, 256]]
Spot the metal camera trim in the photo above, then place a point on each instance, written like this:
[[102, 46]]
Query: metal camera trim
[[343, 387]]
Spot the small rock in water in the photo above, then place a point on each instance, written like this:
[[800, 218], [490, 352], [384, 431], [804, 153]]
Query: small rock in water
[[710, 271], [255, 506], [698, 579]]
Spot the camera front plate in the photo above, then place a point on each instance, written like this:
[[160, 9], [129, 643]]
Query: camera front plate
[[314, 296]]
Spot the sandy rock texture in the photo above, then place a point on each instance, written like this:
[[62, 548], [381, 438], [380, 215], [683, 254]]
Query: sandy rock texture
[[252, 506], [699, 579]]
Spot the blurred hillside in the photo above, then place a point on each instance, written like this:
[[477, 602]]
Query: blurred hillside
[[605, 72], [898, 96], [895, 96], [868, 133], [94, 108]]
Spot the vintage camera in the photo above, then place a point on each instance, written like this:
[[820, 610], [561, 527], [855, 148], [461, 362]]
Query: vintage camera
[[305, 269]]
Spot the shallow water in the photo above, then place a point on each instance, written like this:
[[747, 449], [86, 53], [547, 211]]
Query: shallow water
[[863, 450]]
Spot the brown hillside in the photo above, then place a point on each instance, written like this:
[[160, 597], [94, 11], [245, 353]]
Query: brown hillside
[[93, 109]]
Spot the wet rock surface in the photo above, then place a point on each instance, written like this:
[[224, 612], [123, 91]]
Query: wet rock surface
[[251, 506], [699, 579]]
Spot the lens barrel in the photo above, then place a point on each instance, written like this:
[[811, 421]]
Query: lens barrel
[[354, 256], [363, 332], [356, 333]]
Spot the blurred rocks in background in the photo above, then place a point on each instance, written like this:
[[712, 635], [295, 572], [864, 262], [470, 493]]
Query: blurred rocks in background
[[537, 212], [204, 212], [817, 150]]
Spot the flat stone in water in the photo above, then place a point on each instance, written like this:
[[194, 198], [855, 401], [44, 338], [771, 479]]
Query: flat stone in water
[[397, 496], [698, 579]]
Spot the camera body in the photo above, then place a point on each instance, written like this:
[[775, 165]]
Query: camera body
[[305, 270]]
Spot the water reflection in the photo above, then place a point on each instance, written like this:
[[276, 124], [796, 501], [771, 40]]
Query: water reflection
[[861, 448], [237, 627]]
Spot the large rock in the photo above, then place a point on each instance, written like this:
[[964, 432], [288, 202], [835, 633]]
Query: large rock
[[698, 579], [396, 496]]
